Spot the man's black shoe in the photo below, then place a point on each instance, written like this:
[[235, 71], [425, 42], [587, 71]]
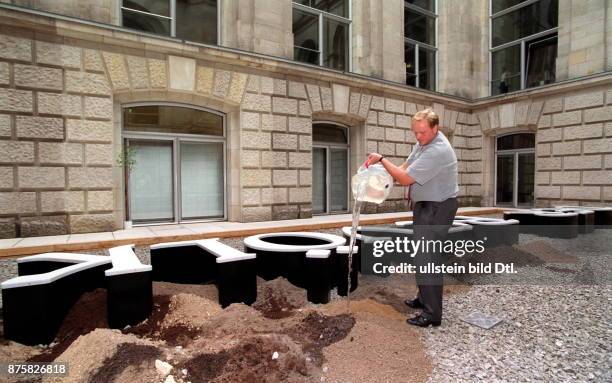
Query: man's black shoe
[[414, 303], [422, 321]]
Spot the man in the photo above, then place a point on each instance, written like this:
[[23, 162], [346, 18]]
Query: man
[[431, 173]]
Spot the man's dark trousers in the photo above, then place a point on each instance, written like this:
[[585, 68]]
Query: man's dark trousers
[[431, 222]]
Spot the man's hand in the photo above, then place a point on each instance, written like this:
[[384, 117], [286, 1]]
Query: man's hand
[[374, 158]]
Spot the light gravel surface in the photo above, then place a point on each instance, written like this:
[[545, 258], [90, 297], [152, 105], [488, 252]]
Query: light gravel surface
[[558, 332]]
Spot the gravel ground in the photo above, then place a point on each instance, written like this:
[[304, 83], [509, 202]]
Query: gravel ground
[[559, 332]]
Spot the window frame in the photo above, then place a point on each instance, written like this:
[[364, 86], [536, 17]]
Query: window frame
[[172, 18], [328, 146], [522, 42], [176, 140], [428, 47], [515, 155], [321, 15]]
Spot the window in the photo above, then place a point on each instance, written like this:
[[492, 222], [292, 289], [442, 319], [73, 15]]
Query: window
[[523, 44], [179, 164], [420, 43], [321, 30], [191, 20], [329, 168], [514, 169]]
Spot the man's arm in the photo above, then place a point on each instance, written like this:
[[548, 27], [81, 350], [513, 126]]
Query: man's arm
[[397, 172]]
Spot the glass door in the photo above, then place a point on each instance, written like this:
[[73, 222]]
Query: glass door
[[151, 181], [201, 168], [515, 170], [338, 176], [525, 184], [319, 180], [505, 179]]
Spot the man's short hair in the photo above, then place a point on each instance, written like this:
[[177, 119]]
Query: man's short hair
[[427, 114]]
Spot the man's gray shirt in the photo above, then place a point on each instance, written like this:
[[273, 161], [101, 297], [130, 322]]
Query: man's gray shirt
[[434, 168]]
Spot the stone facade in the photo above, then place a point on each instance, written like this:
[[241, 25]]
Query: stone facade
[[61, 97]]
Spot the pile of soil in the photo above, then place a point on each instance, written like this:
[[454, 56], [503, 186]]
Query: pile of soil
[[281, 337]]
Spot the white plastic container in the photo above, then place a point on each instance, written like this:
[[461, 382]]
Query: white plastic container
[[371, 184]]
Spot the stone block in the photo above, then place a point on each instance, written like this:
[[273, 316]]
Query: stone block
[[90, 178], [582, 192], [60, 153], [566, 178], [305, 142], [99, 154], [251, 197], [91, 223], [255, 140], [402, 150], [378, 103], [386, 119], [300, 125], [89, 131], [6, 177], [8, 228], [274, 122], [273, 159], [473, 166], [55, 54], [601, 145], [16, 151], [565, 148], [410, 138], [396, 135], [60, 104], [364, 105], [542, 178], [250, 121], [43, 226], [375, 132], [305, 108], [15, 48], [13, 100], [297, 90], [117, 70], [305, 177], [553, 106], [5, 125], [567, 118], [87, 83], [315, 97], [257, 102], [582, 162], [284, 105], [386, 148], [553, 192], [471, 154], [402, 121], [341, 96], [394, 105], [100, 200], [62, 201], [39, 127], [471, 179], [284, 177], [549, 163], [582, 131], [284, 212], [326, 99], [548, 135], [222, 82], [267, 85], [158, 73], [18, 202], [41, 177], [300, 195], [97, 107], [598, 114], [256, 177], [38, 77], [597, 177], [204, 81], [237, 87], [271, 196], [279, 87], [253, 84], [4, 73], [545, 122], [256, 214], [250, 158], [93, 61], [300, 160], [284, 141], [138, 71], [354, 101], [584, 100], [544, 150]]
